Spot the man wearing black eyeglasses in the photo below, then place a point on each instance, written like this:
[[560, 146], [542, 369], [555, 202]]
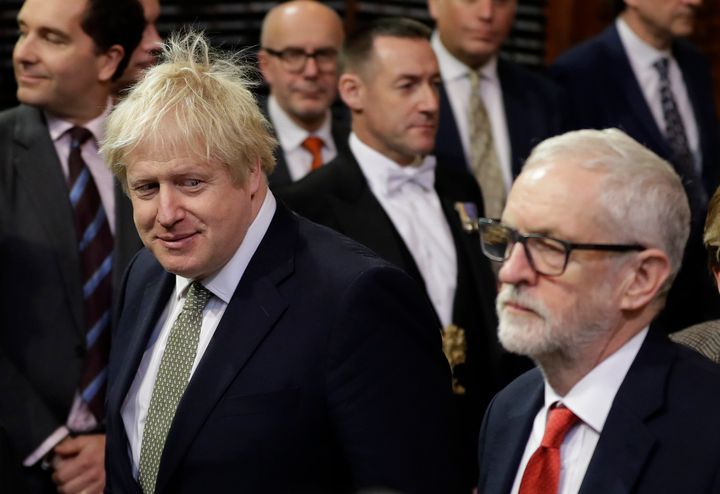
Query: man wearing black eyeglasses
[[590, 241], [298, 60]]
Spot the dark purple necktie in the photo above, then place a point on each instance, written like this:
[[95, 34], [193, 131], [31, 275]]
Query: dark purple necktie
[[95, 245]]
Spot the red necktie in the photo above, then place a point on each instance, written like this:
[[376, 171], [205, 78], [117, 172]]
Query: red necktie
[[542, 473], [95, 244], [314, 146]]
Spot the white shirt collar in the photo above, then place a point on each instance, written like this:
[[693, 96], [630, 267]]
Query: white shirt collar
[[290, 134], [641, 55], [223, 283], [452, 69], [376, 166], [592, 397], [58, 127]]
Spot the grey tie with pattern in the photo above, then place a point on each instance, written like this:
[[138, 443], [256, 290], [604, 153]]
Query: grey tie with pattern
[[485, 165], [172, 379]]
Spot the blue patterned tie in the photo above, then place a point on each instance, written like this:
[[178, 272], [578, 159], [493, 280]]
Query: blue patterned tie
[[678, 141], [95, 245]]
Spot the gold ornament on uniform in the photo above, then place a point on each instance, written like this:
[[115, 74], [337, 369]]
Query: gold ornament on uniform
[[454, 348]]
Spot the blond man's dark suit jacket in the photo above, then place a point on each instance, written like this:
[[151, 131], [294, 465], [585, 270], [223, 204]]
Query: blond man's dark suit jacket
[[662, 434], [42, 335], [338, 196], [324, 375]]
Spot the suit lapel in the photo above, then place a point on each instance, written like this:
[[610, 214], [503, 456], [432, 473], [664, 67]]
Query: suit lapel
[[626, 441], [509, 441], [516, 109], [252, 312], [361, 217], [448, 145], [150, 306], [39, 171], [628, 86]]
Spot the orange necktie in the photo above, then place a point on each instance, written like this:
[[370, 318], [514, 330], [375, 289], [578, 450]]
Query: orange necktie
[[542, 473], [314, 146]]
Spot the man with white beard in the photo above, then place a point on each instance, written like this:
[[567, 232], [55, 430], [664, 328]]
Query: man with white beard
[[590, 240]]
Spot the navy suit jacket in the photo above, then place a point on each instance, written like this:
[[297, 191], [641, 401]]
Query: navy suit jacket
[[325, 374], [42, 329], [532, 109], [338, 196], [662, 434], [601, 91], [339, 128]]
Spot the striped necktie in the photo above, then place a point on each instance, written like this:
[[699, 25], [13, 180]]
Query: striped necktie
[[95, 245]]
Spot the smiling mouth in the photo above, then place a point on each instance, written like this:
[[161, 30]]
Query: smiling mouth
[[174, 242]]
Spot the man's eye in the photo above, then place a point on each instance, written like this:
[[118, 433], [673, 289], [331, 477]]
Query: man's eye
[[191, 182]]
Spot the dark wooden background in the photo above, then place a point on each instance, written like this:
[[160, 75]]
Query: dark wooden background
[[543, 28]]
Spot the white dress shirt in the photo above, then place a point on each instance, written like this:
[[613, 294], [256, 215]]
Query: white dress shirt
[[642, 57], [80, 417], [456, 79], [291, 136], [222, 285], [590, 400], [418, 217]]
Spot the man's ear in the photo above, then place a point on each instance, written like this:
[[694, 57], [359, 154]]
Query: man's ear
[[650, 271], [108, 62], [432, 8], [264, 65], [352, 90], [716, 275]]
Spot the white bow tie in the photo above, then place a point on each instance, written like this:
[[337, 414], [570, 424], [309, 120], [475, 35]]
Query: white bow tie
[[423, 176]]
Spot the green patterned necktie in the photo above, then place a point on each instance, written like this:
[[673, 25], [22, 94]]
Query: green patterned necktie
[[485, 164], [172, 379]]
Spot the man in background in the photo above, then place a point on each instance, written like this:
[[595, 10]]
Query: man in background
[[145, 55], [587, 263], [388, 194], [300, 41], [640, 75], [66, 235], [492, 111]]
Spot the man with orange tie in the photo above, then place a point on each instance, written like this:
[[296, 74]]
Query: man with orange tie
[[614, 406], [300, 67]]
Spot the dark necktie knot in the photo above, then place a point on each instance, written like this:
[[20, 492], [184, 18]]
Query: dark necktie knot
[[78, 136]]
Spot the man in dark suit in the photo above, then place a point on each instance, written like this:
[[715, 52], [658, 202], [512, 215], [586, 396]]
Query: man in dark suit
[[388, 194], [587, 262], [56, 312], [300, 67], [519, 107], [256, 351], [615, 80]]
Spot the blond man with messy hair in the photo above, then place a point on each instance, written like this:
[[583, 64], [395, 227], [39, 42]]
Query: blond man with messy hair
[[256, 351]]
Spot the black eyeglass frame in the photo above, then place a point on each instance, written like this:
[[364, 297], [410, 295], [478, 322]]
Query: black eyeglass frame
[[282, 55], [522, 238]]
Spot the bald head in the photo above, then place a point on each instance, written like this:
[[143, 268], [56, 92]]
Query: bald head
[[304, 87], [317, 21]]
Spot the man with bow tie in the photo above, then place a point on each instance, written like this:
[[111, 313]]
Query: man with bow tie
[[388, 194]]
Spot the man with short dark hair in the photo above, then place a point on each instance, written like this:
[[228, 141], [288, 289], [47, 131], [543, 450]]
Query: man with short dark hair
[[587, 262], [145, 54], [300, 41], [388, 194], [640, 75], [65, 237]]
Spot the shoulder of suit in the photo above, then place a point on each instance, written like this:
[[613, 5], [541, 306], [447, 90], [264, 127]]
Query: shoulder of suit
[[703, 338]]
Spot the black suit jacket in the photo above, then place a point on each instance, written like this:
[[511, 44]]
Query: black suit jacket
[[600, 91], [661, 435], [338, 196], [325, 374], [339, 127], [532, 109], [42, 331]]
